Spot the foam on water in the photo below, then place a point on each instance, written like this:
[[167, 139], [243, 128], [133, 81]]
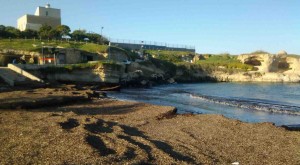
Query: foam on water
[[249, 102], [254, 104]]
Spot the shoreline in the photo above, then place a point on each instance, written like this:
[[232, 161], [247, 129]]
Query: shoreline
[[106, 131], [245, 108]]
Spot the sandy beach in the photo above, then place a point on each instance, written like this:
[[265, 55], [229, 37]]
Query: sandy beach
[[106, 131]]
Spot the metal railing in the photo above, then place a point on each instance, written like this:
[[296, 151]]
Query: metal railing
[[115, 42], [153, 43]]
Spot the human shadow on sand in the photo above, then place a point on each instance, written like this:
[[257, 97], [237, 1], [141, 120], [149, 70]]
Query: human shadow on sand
[[99, 145], [129, 134], [68, 125]]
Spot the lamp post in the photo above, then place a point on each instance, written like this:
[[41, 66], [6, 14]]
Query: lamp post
[[158, 53], [109, 51], [142, 53], [101, 34], [101, 30], [43, 53]]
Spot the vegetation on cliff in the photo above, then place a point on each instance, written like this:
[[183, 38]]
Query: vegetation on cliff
[[36, 45], [173, 63], [168, 55], [168, 67], [225, 62], [48, 32], [73, 67], [208, 63]]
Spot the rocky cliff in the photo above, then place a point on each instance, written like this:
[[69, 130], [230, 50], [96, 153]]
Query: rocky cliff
[[269, 68]]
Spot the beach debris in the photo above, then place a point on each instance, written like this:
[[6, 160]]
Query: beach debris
[[144, 82], [114, 88], [96, 94], [171, 81], [167, 115], [295, 127], [76, 93], [235, 163], [71, 123]]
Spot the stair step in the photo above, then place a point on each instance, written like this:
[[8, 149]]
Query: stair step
[[18, 79]]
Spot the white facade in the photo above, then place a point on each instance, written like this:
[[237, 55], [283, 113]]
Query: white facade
[[43, 15], [47, 12], [22, 23]]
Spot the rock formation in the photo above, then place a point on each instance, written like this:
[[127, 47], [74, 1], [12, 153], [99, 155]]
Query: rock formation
[[270, 68]]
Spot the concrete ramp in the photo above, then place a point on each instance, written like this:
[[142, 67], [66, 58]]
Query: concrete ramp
[[14, 78]]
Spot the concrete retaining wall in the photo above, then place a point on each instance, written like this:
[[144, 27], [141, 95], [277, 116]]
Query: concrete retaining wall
[[104, 73], [24, 73]]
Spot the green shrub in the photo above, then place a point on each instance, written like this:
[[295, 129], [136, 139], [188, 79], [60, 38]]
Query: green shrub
[[73, 67], [168, 55], [36, 45], [224, 63]]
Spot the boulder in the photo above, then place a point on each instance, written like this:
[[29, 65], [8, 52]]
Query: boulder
[[171, 81]]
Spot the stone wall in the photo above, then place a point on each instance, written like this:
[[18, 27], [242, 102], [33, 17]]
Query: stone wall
[[8, 55], [115, 55], [103, 73], [72, 56]]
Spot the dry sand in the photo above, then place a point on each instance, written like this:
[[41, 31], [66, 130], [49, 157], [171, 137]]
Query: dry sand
[[105, 131]]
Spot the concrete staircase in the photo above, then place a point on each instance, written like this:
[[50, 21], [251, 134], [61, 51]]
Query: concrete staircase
[[14, 78]]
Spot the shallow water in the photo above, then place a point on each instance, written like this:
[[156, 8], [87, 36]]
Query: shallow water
[[248, 102]]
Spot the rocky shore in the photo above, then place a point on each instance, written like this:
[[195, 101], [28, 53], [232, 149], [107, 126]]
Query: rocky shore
[[105, 131]]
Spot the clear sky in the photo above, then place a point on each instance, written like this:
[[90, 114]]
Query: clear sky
[[213, 26]]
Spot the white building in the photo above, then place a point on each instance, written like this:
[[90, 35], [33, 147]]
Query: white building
[[43, 15]]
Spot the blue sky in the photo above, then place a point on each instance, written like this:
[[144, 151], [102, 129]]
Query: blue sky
[[213, 26]]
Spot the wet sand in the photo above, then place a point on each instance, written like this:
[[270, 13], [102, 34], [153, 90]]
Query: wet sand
[[105, 131]]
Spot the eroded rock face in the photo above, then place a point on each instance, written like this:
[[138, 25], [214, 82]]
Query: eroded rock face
[[115, 55], [294, 64], [257, 77], [19, 52], [266, 63], [270, 68]]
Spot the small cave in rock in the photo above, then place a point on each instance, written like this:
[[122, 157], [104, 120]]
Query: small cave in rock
[[283, 65], [253, 62]]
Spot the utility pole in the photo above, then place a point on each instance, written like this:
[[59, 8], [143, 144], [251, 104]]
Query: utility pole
[[142, 51], [101, 33], [109, 51], [101, 30], [43, 55]]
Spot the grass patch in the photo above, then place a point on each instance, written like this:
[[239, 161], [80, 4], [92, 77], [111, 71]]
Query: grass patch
[[224, 62], [73, 67], [35, 45], [260, 52], [167, 55], [294, 55]]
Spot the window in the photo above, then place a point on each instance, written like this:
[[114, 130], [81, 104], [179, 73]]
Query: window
[[46, 13]]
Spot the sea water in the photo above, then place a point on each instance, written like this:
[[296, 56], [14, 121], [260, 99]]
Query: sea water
[[278, 103]]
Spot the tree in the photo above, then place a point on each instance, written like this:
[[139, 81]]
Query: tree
[[63, 30], [94, 37], [3, 33], [54, 34], [104, 41], [45, 31], [12, 32], [28, 33], [79, 35]]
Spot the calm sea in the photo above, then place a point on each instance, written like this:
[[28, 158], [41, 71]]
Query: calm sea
[[248, 102]]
